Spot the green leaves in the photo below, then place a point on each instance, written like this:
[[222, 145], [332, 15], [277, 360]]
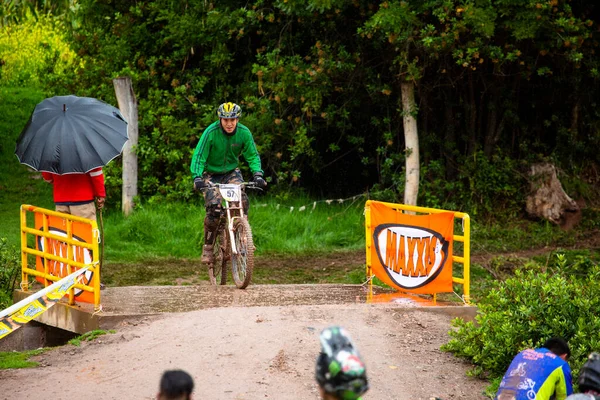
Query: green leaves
[[527, 309], [319, 82], [10, 268], [29, 50]]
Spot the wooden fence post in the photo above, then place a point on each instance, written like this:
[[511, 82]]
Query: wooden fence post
[[128, 106]]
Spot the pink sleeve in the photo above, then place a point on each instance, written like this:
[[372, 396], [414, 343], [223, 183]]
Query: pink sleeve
[[98, 182]]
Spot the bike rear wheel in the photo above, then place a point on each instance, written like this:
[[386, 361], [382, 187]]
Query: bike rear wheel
[[217, 271], [242, 263]]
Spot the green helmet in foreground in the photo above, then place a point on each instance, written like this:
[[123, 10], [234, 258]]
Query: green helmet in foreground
[[340, 370]]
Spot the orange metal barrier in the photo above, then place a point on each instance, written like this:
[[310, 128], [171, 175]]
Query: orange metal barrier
[[465, 238], [58, 255]]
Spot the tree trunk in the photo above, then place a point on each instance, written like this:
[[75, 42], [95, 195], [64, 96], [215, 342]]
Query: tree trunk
[[449, 147], [128, 106], [547, 199], [411, 138], [494, 129], [575, 119], [488, 142], [472, 124]]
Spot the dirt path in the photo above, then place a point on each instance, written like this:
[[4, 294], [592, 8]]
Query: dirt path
[[249, 345], [252, 353], [256, 345]]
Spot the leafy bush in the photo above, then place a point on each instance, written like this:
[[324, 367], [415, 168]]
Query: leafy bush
[[33, 51], [10, 266], [319, 85], [491, 185], [527, 309]]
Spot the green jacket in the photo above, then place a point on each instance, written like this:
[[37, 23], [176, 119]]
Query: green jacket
[[219, 153]]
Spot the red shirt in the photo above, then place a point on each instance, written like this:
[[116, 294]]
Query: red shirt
[[77, 188]]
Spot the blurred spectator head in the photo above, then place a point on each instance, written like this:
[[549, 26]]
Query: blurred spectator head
[[176, 385], [559, 347]]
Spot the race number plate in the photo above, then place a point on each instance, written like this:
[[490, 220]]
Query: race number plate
[[230, 192]]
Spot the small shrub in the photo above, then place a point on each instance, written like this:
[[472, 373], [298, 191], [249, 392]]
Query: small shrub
[[527, 309], [491, 186], [10, 266], [32, 49]]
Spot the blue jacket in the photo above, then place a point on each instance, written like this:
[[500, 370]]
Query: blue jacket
[[536, 374]]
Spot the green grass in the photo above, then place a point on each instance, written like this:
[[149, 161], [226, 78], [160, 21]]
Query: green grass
[[89, 336], [19, 359], [160, 244], [502, 237], [176, 230], [18, 185]]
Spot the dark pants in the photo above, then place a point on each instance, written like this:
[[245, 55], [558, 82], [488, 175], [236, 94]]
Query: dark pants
[[213, 199]]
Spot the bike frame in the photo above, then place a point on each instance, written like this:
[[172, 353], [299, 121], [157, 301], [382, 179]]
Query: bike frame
[[232, 193]]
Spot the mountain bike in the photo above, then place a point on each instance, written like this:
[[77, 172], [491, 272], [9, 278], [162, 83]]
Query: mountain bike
[[233, 243]]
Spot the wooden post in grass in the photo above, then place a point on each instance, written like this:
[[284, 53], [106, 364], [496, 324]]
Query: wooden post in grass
[[128, 107]]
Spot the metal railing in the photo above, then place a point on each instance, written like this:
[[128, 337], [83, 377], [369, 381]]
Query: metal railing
[[58, 255]]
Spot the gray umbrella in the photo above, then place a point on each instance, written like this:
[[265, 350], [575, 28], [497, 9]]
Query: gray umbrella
[[71, 135]]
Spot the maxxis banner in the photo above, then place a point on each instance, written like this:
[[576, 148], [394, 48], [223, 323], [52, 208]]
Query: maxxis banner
[[412, 253]]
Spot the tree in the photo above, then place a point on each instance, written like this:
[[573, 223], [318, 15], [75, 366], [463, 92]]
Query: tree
[[320, 82], [411, 138], [18, 11]]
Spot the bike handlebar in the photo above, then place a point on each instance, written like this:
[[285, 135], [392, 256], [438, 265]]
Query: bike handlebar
[[249, 185]]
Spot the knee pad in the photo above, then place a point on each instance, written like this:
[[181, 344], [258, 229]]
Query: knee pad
[[213, 213]]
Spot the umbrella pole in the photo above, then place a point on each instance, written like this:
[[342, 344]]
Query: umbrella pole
[[101, 245]]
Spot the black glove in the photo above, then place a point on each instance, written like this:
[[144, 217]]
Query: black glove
[[199, 184], [259, 181]]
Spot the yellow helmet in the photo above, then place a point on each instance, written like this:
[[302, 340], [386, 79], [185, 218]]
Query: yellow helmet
[[229, 111]]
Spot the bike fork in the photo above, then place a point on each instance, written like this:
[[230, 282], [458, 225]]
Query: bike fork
[[231, 219]]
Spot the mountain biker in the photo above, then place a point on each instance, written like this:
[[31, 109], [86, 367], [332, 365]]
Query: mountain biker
[[340, 371], [216, 160], [589, 380], [541, 374]]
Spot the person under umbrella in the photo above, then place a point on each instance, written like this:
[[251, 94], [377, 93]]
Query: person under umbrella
[[69, 139], [78, 194]]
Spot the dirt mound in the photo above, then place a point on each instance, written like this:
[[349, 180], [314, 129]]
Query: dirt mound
[[253, 353]]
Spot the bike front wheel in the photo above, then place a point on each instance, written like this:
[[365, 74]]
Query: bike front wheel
[[217, 271], [242, 263]]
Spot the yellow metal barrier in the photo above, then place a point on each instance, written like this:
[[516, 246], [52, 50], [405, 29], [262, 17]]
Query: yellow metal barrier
[[465, 238], [69, 242]]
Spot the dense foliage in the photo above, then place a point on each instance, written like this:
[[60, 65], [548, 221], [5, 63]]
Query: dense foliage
[[529, 308], [10, 268], [500, 84], [33, 50]]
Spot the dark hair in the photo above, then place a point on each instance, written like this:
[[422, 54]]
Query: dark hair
[[558, 346], [175, 384]]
